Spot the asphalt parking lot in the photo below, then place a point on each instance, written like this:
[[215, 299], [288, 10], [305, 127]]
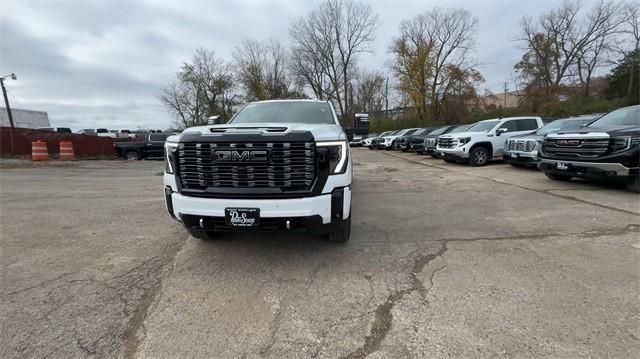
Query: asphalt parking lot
[[444, 260]]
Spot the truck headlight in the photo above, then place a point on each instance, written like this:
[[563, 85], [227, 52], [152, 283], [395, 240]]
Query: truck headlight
[[337, 155], [618, 144], [170, 150], [463, 140]]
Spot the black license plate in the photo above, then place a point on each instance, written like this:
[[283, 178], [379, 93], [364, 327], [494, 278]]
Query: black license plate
[[242, 217]]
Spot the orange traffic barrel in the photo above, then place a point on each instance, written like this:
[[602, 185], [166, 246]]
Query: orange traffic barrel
[[66, 151], [39, 151]]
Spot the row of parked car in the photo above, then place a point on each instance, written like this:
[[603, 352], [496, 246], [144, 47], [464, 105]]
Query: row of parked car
[[599, 147]]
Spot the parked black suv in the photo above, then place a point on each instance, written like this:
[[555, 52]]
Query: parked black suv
[[607, 148], [428, 144], [418, 138]]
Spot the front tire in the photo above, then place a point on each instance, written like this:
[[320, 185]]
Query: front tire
[[556, 177], [634, 185], [478, 156], [132, 156], [341, 233]]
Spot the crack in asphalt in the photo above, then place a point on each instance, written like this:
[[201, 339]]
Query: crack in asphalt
[[544, 191], [130, 335], [383, 318], [275, 327]]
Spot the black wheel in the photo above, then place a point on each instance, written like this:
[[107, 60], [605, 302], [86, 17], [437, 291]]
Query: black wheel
[[342, 232], [478, 156], [132, 156], [556, 177], [634, 185], [201, 234]]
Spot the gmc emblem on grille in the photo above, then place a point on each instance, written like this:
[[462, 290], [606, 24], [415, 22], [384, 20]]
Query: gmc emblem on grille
[[241, 156], [568, 142]]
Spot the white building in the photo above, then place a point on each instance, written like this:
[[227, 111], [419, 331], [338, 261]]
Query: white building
[[24, 118]]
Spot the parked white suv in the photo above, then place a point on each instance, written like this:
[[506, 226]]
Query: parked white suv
[[277, 165], [388, 142], [484, 140]]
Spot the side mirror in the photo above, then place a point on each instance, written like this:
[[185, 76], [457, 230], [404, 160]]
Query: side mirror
[[501, 130], [213, 120]]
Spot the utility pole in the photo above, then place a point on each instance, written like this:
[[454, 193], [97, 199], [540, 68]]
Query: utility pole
[[505, 94], [6, 102]]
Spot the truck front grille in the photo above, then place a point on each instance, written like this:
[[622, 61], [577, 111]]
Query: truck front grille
[[521, 145], [575, 147], [289, 166], [430, 142], [447, 142]]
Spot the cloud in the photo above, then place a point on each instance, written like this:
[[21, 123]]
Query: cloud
[[101, 63]]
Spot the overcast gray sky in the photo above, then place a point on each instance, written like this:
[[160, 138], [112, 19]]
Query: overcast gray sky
[[100, 63]]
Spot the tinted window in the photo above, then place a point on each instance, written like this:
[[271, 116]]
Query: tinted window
[[528, 124], [158, 137], [286, 112], [410, 132], [629, 116], [511, 126]]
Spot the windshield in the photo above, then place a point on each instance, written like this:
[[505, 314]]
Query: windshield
[[462, 128], [286, 112], [483, 126], [411, 132], [564, 124], [439, 131], [628, 116]]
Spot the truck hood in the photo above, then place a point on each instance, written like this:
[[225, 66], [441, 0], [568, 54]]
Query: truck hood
[[611, 131], [528, 136], [464, 134], [320, 132]]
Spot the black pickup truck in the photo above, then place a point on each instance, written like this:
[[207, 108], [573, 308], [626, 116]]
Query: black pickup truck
[[151, 147], [608, 148]]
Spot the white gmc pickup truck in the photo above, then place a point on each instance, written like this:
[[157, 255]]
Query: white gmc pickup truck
[[484, 140], [277, 165]]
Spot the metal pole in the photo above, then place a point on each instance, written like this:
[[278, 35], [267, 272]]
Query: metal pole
[[6, 102]]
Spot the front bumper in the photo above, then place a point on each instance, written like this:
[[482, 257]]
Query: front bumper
[[594, 170], [269, 208], [453, 153], [527, 158]]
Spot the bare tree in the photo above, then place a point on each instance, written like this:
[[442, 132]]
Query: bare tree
[[204, 87], [262, 69], [328, 39], [429, 46], [452, 33], [629, 42], [412, 64], [369, 93], [563, 43]]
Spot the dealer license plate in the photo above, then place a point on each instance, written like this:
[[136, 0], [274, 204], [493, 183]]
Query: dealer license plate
[[562, 166], [242, 217]]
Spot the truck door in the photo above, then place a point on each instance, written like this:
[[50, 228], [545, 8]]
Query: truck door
[[155, 144]]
